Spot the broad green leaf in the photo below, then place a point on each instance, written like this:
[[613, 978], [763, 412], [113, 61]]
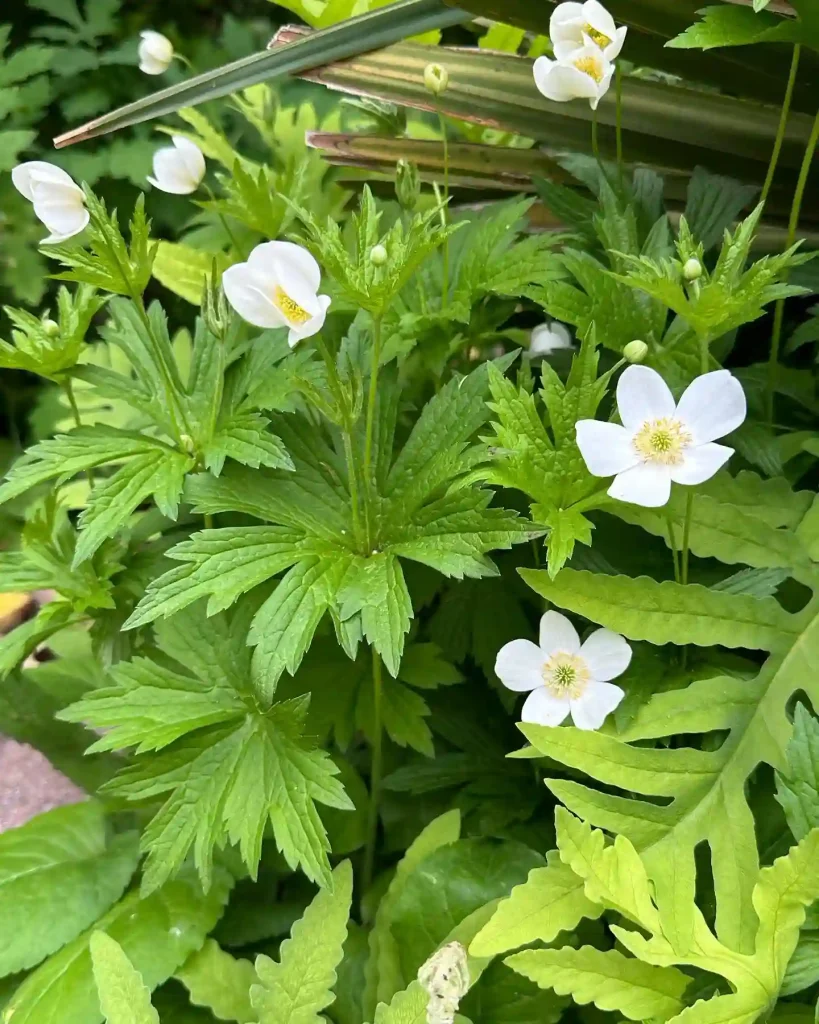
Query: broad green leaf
[[124, 998], [245, 439], [66, 858], [375, 588], [157, 935], [713, 204], [663, 613], [297, 988], [803, 966], [736, 26], [220, 982], [606, 978], [797, 785], [184, 270]]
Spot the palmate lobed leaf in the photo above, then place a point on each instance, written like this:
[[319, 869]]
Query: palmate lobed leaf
[[124, 998]]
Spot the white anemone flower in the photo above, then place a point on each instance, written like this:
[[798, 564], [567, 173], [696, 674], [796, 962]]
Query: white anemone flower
[[574, 25], [179, 168], [278, 287], [583, 74], [58, 200], [563, 676], [155, 52], [547, 338], [661, 440]]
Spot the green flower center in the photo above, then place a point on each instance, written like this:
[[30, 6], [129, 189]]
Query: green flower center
[[598, 38], [662, 442], [291, 309], [565, 675]]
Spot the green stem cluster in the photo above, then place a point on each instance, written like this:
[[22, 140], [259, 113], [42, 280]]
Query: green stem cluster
[[445, 137], [368, 440], [375, 774]]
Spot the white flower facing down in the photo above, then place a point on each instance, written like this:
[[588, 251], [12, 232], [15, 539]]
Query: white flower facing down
[[565, 677], [155, 52], [58, 201], [575, 25], [179, 168], [548, 338], [278, 287], [661, 440], [583, 74]]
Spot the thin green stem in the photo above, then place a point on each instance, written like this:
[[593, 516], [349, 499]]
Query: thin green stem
[[375, 776], [208, 517], [445, 137], [594, 139], [227, 229], [619, 93], [672, 543], [793, 226], [368, 442], [705, 353], [783, 122], [68, 388], [689, 508]]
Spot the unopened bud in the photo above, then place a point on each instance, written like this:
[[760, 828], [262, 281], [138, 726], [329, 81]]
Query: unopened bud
[[378, 255], [436, 78], [692, 271], [51, 327], [187, 443], [635, 351], [407, 185]]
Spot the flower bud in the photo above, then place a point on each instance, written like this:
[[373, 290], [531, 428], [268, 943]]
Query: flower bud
[[188, 444], [436, 78], [635, 351], [51, 327], [378, 255], [407, 185], [692, 271]]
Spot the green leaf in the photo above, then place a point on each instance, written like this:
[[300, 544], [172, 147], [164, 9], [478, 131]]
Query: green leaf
[[713, 204], [797, 786], [220, 982], [736, 26], [667, 612], [157, 935], [297, 988], [606, 978], [124, 998], [62, 858], [245, 439], [375, 588], [184, 270]]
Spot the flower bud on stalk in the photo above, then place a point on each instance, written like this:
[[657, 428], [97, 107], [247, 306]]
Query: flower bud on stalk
[[635, 351], [436, 78], [378, 256], [407, 185], [692, 271]]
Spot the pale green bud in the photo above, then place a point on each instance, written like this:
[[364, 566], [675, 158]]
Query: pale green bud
[[692, 271], [378, 255], [407, 185], [635, 351], [187, 443], [436, 78], [51, 327]]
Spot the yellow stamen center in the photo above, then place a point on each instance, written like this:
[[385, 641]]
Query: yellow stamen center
[[291, 309], [565, 675], [662, 442], [598, 38], [590, 66]]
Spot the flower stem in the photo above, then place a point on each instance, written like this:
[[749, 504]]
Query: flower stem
[[783, 121], [594, 140], [208, 517], [68, 387], [672, 543], [368, 442], [793, 225], [226, 227], [375, 775], [445, 137], [619, 93], [689, 507]]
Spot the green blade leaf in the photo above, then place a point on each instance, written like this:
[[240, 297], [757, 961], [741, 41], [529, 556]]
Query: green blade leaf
[[797, 788], [220, 982], [124, 997]]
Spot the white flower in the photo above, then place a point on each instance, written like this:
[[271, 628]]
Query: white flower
[[155, 52], [661, 440], [179, 168], [277, 287], [573, 25], [565, 677], [548, 338], [58, 201], [583, 74]]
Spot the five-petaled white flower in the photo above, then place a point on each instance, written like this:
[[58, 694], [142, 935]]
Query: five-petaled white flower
[[564, 676], [278, 287], [660, 440], [584, 74], [58, 201], [573, 25], [155, 52], [179, 168], [547, 338]]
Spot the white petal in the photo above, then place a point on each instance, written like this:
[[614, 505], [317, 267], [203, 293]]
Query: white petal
[[645, 484], [557, 634], [245, 293], [567, 19], [606, 447], [562, 82], [642, 395], [62, 236], [701, 463], [548, 338], [712, 406], [599, 18], [312, 326], [25, 176], [63, 220], [598, 701], [155, 52], [602, 87], [192, 156], [565, 50], [606, 653], [542, 708], [519, 664], [171, 173], [151, 66], [612, 51], [271, 257]]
